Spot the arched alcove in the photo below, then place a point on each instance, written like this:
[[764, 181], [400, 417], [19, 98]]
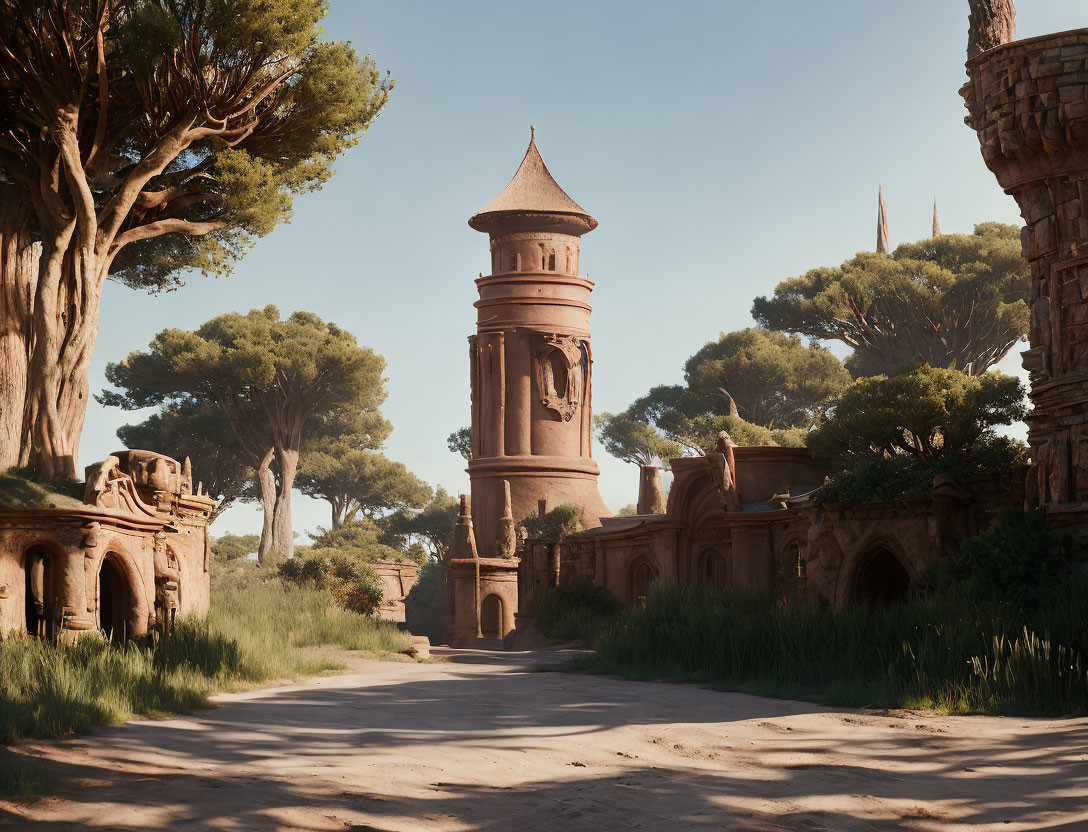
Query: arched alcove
[[881, 578], [643, 574], [491, 617], [115, 601], [712, 569], [39, 566]]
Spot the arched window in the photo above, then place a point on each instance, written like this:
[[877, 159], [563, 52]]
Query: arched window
[[515, 262], [551, 261], [711, 569], [643, 575], [570, 261], [491, 617]]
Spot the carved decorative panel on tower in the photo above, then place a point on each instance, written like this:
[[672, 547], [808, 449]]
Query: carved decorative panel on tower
[[559, 366]]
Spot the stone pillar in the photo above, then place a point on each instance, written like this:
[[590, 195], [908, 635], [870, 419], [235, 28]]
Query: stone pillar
[[1028, 102], [651, 491]]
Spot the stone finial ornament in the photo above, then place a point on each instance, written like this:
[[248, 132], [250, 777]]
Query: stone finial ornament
[[882, 244], [464, 541], [936, 219], [992, 23], [507, 539]]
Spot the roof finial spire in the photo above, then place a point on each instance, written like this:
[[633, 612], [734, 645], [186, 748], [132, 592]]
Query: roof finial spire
[[532, 132], [936, 219], [882, 245]]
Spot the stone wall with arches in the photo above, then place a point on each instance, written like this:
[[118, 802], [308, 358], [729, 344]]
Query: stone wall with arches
[[134, 554]]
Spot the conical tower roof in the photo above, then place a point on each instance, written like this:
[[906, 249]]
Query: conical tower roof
[[533, 190]]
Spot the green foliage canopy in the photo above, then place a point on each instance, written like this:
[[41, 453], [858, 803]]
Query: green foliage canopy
[[460, 442], [199, 120], [358, 482], [954, 301], [432, 525], [270, 377], [232, 546], [924, 413], [774, 380]]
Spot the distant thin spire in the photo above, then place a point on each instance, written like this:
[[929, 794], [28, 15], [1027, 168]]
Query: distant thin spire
[[882, 245], [936, 219]]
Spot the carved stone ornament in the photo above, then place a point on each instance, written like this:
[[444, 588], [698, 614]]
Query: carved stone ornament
[[561, 395]]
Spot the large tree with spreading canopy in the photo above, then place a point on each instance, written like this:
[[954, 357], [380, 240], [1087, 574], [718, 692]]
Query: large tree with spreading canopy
[[274, 380], [954, 301], [139, 139]]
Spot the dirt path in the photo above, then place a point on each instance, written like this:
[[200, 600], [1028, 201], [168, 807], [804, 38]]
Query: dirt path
[[481, 743]]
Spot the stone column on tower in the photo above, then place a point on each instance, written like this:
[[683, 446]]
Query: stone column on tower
[[531, 362]]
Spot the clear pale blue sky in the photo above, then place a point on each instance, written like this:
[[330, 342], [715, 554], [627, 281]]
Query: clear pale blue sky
[[722, 145]]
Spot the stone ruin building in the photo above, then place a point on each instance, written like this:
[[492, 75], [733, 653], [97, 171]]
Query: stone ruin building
[[126, 560], [745, 516], [736, 516]]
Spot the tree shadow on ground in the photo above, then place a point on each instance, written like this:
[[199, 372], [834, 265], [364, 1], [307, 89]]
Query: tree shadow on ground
[[475, 747]]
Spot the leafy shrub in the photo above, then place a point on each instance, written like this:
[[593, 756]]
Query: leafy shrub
[[562, 521], [353, 584], [425, 605], [1019, 563], [879, 478], [363, 541], [231, 546], [923, 412], [576, 609]]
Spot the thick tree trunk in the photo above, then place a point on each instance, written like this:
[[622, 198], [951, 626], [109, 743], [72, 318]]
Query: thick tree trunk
[[266, 482], [18, 278], [66, 307], [992, 23], [283, 536]]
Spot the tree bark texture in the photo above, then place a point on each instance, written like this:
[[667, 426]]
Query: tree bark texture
[[992, 22], [266, 481], [18, 279], [283, 535]]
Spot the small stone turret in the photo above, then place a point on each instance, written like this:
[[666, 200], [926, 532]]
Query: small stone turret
[[464, 539], [507, 539], [651, 491]]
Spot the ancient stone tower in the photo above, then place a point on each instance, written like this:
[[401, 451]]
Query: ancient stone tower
[[1029, 104], [531, 364]]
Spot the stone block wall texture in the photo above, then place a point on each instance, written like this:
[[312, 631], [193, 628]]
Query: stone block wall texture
[[1028, 102]]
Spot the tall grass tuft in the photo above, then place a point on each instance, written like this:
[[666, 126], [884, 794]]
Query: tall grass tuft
[[934, 653], [258, 630]]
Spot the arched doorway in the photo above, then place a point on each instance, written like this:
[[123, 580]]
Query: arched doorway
[[881, 579], [39, 593], [712, 569], [114, 600], [643, 575], [491, 617]]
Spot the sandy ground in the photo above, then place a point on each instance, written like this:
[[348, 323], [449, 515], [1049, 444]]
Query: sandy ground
[[481, 742]]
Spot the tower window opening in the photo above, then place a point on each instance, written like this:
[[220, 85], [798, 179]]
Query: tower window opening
[[551, 262], [515, 262]]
